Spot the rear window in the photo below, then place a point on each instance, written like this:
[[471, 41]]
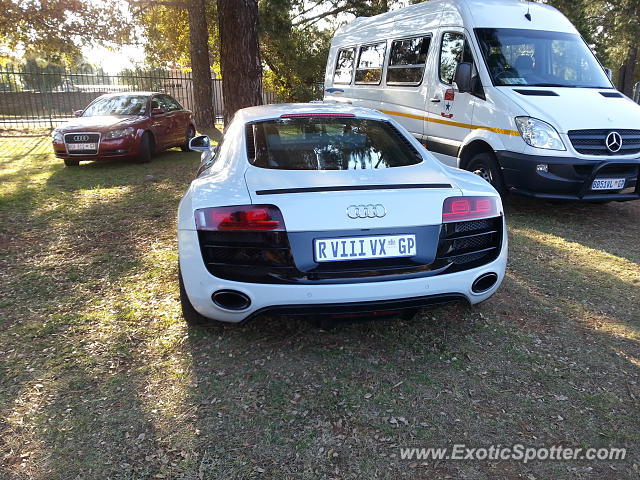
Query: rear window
[[328, 143]]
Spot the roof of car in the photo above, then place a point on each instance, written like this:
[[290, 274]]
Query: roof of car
[[264, 112]]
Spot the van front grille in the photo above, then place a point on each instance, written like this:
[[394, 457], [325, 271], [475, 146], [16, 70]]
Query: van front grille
[[592, 142]]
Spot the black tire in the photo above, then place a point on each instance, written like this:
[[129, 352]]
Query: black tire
[[191, 132], [71, 163], [146, 148], [190, 314], [409, 314], [485, 165], [324, 323]]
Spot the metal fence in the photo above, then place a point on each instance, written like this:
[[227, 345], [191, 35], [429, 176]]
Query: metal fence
[[36, 98]]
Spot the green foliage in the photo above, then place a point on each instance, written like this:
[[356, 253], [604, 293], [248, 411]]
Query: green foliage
[[150, 80], [295, 56], [56, 29], [41, 76], [166, 30]]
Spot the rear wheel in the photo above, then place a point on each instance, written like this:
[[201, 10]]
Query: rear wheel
[[71, 163], [191, 132], [146, 148], [485, 165], [190, 314], [409, 314]]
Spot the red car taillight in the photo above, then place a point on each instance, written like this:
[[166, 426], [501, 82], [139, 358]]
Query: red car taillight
[[240, 217], [456, 209]]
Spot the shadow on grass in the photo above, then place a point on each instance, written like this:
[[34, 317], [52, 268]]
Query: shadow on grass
[[529, 366], [612, 227], [69, 331], [101, 379]]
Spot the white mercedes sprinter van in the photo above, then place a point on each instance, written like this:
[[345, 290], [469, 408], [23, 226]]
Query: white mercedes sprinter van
[[504, 88]]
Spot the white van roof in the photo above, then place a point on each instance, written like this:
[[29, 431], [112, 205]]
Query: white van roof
[[470, 13]]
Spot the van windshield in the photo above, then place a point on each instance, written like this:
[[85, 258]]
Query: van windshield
[[539, 58]]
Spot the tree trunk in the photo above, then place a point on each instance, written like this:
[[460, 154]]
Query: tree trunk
[[239, 55], [626, 82], [200, 67]]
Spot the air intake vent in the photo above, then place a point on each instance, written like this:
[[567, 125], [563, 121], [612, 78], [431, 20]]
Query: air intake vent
[[251, 144], [538, 93], [611, 94], [469, 244]]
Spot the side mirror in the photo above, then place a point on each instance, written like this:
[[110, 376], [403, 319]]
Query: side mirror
[[609, 73], [462, 77], [201, 143], [157, 111], [78, 113]]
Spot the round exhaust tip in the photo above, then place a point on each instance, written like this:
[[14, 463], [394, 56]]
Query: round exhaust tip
[[484, 282], [231, 300]]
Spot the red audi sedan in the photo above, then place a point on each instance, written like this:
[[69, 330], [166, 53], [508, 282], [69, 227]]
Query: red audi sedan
[[132, 125]]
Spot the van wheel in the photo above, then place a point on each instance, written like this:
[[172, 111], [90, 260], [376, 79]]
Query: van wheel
[[485, 165], [190, 314]]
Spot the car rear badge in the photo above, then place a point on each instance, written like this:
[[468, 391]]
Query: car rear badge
[[366, 211]]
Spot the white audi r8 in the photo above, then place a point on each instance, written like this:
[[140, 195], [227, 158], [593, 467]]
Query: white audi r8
[[317, 209]]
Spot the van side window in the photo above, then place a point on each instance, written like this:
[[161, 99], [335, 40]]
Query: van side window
[[370, 60], [454, 50], [407, 60], [344, 66]]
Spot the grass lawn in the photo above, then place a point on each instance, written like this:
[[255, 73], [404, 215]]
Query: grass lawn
[[101, 379]]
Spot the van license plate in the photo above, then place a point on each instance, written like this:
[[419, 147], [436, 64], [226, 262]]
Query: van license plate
[[607, 184], [364, 248]]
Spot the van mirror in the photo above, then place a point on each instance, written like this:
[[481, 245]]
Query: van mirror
[[463, 77], [201, 143], [609, 73]]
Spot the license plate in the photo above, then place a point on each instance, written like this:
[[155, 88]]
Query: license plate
[[364, 248], [82, 146], [607, 184]]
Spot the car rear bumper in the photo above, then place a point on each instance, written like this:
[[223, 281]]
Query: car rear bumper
[[568, 178], [332, 298]]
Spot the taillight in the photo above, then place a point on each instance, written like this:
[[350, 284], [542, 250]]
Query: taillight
[[456, 209], [241, 217]]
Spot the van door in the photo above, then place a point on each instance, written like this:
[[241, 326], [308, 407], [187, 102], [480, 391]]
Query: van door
[[450, 112], [405, 90]]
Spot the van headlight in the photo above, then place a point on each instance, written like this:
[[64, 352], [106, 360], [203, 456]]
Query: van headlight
[[539, 134], [122, 132]]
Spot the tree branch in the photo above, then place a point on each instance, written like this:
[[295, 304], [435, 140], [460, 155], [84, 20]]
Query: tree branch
[[311, 20]]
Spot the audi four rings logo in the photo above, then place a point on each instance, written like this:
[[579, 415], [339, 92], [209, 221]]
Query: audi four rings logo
[[613, 142], [81, 138], [366, 211]]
